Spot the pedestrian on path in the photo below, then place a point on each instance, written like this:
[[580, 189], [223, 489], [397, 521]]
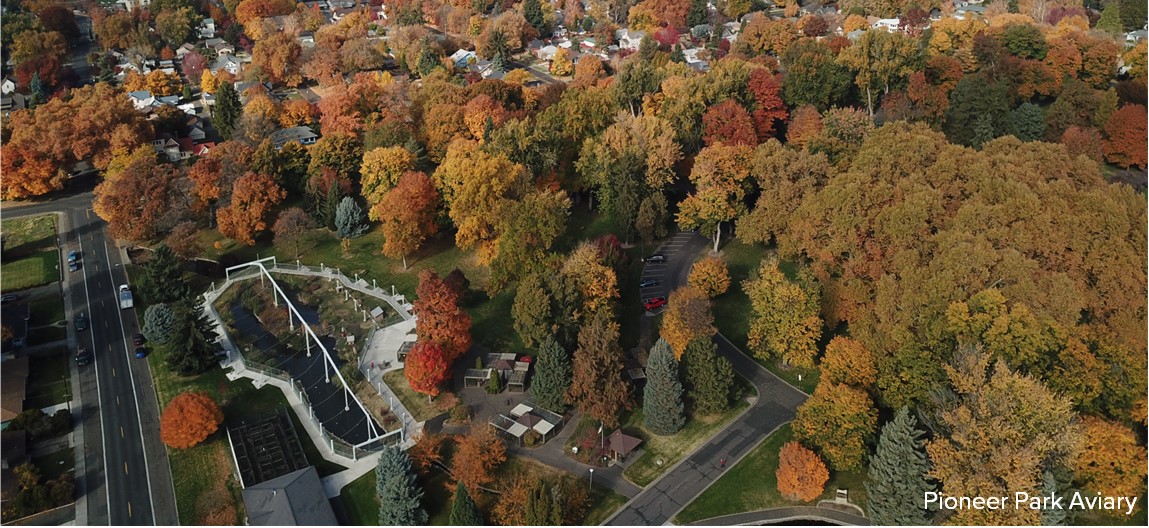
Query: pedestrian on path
[[722, 463]]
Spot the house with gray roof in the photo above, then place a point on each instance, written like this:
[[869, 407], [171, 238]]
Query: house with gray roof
[[294, 499]]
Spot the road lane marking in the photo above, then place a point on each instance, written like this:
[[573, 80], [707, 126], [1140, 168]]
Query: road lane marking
[[113, 372], [121, 431], [125, 468], [129, 508]]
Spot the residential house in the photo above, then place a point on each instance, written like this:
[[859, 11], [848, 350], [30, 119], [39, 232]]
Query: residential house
[[195, 130], [207, 28], [167, 145], [133, 4], [855, 35], [887, 24], [696, 59], [462, 58], [202, 149], [13, 387], [167, 100], [966, 11], [142, 99], [227, 62], [184, 50], [301, 134], [7, 86], [307, 39], [13, 101], [188, 108], [294, 499], [701, 31], [1134, 37], [628, 40], [547, 52], [730, 31]]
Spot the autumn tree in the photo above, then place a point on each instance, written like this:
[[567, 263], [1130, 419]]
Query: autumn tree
[[1111, 459], [650, 223], [898, 474], [426, 368], [720, 175], [477, 454], [408, 215], [1083, 141], [144, 198], [597, 282], [552, 376], [597, 387], [805, 124], [380, 172], [290, 228], [399, 494], [476, 186], [769, 109], [441, 320], [879, 59], [528, 228], [728, 123], [840, 422], [189, 419], [561, 64], [252, 199], [662, 409], [813, 76], [710, 276], [849, 362], [1125, 137], [801, 474], [999, 429], [687, 317], [785, 325]]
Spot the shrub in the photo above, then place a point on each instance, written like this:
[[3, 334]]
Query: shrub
[[189, 419]]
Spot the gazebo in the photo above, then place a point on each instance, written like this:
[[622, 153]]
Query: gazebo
[[621, 444]]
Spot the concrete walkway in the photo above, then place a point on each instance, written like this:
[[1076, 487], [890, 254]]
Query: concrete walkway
[[792, 514]]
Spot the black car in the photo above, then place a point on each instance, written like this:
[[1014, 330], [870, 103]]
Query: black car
[[73, 266], [647, 283], [83, 357], [138, 339], [81, 322], [656, 258]]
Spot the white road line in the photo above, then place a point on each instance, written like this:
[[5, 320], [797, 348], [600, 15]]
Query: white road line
[[135, 389], [99, 395]]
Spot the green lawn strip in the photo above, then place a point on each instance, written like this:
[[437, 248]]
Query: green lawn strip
[[46, 309], [23, 235], [416, 403], [604, 503], [49, 380], [46, 334], [36, 269], [56, 463], [732, 310], [752, 485], [670, 449]]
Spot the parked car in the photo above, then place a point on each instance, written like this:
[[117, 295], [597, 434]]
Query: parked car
[[73, 256], [81, 322], [83, 357], [655, 258], [73, 265], [647, 283], [654, 304], [141, 352], [138, 339]]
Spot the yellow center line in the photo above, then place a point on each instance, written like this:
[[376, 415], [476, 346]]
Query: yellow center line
[[121, 431], [129, 508], [125, 468]]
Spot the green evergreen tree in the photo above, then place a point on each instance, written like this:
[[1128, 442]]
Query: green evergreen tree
[[428, 60], [227, 110], [1110, 20], [163, 277], [192, 347], [697, 13], [1133, 13], [36, 85], [350, 222], [1051, 516], [463, 510], [1028, 122], [709, 377], [533, 12], [186, 93], [500, 50], [662, 409], [676, 55], [399, 495], [107, 71], [494, 385], [552, 376], [159, 323], [531, 310], [329, 207], [1011, 6], [898, 474], [978, 112]]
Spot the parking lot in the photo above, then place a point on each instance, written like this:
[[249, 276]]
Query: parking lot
[[664, 274]]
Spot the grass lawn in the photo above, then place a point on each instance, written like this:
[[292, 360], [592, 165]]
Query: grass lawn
[[56, 463], [46, 334], [670, 449], [416, 403], [732, 310], [37, 269], [751, 485], [48, 379], [24, 234], [46, 309], [603, 501]]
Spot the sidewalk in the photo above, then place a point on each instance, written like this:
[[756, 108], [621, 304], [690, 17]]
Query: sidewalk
[[785, 515]]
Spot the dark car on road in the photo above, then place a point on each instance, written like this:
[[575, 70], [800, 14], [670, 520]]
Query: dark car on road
[[654, 304], [141, 352], [81, 322], [655, 258], [73, 261], [138, 339], [647, 283], [83, 357]]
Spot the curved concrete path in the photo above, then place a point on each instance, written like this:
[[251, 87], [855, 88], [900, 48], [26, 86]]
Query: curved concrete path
[[788, 514]]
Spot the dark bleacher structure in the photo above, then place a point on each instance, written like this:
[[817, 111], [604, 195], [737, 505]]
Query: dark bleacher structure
[[266, 448]]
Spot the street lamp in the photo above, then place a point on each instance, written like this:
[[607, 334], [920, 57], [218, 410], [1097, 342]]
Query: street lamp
[[590, 483]]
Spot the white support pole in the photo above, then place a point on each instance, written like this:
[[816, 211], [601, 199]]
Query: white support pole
[[307, 339]]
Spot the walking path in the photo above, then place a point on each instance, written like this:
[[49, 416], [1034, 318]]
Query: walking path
[[788, 514]]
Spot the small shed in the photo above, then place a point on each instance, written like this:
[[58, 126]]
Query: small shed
[[509, 426], [517, 381], [622, 444], [478, 376]]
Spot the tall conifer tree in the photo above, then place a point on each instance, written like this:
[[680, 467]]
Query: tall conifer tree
[[898, 475], [662, 410]]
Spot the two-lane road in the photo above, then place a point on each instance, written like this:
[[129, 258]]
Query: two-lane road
[[126, 478]]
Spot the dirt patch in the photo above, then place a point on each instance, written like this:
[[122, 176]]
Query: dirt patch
[[216, 506]]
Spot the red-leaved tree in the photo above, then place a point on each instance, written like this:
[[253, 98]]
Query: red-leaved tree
[[727, 122], [426, 368], [1125, 137], [766, 88], [189, 419], [441, 320]]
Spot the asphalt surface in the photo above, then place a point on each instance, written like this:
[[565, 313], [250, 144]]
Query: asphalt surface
[[789, 515], [776, 404], [125, 478]]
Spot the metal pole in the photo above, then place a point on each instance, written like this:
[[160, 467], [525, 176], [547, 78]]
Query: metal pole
[[590, 483]]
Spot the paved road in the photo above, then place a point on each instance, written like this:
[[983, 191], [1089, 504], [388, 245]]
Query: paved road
[[775, 405], [125, 478], [791, 514]]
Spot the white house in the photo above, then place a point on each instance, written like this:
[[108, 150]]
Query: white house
[[7, 86], [133, 4], [207, 28], [628, 40], [462, 57], [546, 52], [142, 99], [228, 63], [887, 24]]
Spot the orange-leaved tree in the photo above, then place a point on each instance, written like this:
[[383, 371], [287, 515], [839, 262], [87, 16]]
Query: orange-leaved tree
[[1111, 461], [426, 368], [727, 122], [189, 419], [477, 454], [849, 361], [801, 474], [441, 320], [687, 318], [1125, 137], [408, 215], [710, 276], [252, 198]]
